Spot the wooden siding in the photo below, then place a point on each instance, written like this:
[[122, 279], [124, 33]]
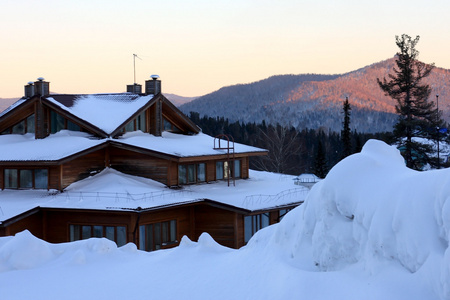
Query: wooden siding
[[82, 167], [31, 221], [220, 224], [138, 164]]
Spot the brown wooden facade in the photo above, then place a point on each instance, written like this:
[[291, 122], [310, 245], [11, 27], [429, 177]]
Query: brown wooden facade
[[224, 223]]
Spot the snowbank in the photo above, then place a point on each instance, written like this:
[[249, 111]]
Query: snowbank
[[371, 210], [372, 229]]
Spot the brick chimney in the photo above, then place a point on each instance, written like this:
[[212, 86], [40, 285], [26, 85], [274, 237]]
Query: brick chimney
[[41, 87], [153, 86]]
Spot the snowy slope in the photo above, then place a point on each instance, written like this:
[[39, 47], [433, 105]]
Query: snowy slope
[[373, 229]]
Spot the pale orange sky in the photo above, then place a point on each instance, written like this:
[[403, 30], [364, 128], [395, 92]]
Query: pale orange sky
[[87, 46]]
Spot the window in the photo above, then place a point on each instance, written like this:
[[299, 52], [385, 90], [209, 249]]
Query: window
[[26, 178], [170, 127], [30, 124], [117, 234], [24, 126], [193, 173], [10, 176], [58, 122], [19, 128], [137, 124], [237, 169], [223, 170], [283, 212], [157, 235], [254, 223]]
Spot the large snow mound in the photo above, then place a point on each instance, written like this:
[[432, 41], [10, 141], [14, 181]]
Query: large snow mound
[[371, 210]]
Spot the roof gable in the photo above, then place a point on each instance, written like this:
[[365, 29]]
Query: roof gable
[[105, 111]]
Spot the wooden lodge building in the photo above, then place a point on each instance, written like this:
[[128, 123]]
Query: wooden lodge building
[[49, 143]]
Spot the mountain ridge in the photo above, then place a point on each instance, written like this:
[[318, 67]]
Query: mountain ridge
[[315, 101]]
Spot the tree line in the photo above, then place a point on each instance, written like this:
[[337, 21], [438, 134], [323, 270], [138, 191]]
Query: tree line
[[291, 151]]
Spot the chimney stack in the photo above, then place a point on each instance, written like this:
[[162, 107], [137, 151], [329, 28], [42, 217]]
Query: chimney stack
[[29, 90], [153, 86], [134, 88], [41, 87]]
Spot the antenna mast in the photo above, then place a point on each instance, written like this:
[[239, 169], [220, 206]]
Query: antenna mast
[[134, 66]]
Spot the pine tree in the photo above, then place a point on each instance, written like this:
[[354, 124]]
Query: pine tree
[[417, 116], [345, 132], [320, 164]]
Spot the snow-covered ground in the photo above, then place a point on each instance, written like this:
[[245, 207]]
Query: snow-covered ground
[[373, 229]]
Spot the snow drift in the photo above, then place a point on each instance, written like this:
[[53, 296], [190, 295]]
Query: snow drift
[[370, 210], [373, 229]]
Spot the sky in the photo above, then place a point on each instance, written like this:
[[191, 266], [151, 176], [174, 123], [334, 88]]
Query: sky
[[199, 46]]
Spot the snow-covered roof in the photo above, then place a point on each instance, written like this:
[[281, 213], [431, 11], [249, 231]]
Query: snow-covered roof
[[14, 147], [182, 145], [105, 111], [17, 147], [307, 177], [112, 190]]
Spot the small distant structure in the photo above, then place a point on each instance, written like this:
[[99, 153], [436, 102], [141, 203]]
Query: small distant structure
[[306, 180]]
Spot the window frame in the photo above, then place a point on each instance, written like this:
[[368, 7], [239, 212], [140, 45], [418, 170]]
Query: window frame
[[76, 232], [18, 184], [158, 235], [184, 177]]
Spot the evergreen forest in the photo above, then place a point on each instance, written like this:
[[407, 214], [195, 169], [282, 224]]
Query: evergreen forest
[[291, 151]]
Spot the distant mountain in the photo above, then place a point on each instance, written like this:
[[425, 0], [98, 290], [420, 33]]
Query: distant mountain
[[178, 100], [313, 101]]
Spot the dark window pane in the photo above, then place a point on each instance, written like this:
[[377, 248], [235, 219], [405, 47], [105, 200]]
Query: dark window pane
[[142, 237], [237, 168], [165, 232], [182, 174], [30, 124], [149, 238], [201, 172], [19, 128], [140, 122], [72, 126], [74, 232], [57, 122], [41, 178], [264, 220], [129, 127], [26, 179], [173, 230], [86, 232], [191, 174], [109, 233], [219, 170], [247, 228], [11, 178], [157, 235], [98, 231], [121, 236]]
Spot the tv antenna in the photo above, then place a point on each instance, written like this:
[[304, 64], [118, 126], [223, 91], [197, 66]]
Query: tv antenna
[[134, 65]]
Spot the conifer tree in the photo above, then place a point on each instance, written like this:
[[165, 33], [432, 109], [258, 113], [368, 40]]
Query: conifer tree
[[417, 116], [345, 132], [320, 164]]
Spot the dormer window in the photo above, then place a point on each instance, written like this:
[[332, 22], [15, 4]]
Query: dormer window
[[137, 124], [24, 126], [58, 122]]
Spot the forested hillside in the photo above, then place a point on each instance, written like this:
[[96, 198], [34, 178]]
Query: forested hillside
[[291, 151], [315, 101]]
